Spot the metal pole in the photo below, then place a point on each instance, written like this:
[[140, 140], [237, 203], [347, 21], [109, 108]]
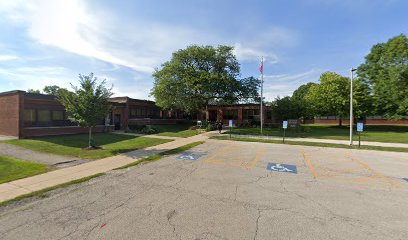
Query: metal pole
[[262, 96], [351, 106]]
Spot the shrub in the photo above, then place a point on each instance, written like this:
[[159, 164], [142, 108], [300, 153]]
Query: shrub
[[193, 128], [136, 128]]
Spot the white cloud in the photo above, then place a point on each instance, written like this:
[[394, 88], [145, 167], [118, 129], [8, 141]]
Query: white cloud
[[285, 84], [36, 78], [138, 44], [251, 54], [8, 58]]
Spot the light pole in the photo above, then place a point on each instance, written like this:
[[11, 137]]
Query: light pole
[[261, 69], [351, 105]]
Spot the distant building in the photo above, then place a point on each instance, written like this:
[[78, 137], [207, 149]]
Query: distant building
[[25, 114], [240, 113]]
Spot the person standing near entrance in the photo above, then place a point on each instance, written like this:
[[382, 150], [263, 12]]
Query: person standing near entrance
[[219, 126]]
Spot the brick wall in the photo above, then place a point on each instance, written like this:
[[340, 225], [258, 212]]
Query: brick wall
[[9, 113]]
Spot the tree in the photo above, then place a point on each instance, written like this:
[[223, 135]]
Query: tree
[[51, 90], [33, 91], [385, 71], [331, 96], [284, 108], [299, 102], [200, 75], [88, 103]]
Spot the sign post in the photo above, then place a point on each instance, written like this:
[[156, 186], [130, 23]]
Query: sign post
[[284, 125], [230, 122], [360, 127]]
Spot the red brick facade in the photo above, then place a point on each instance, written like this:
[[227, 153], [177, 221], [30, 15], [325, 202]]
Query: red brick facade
[[10, 115], [27, 115], [239, 113]]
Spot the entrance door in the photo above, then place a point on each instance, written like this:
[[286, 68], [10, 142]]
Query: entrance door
[[212, 115], [116, 121]]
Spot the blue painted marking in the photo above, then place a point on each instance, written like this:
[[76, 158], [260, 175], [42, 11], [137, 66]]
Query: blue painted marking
[[277, 167], [406, 179], [191, 157]]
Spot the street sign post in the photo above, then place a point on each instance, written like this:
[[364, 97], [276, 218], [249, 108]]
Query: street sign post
[[360, 128], [230, 122], [285, 126]]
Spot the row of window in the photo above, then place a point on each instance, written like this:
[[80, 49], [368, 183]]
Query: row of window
[[248, 114], [34, 115], [143, 112]]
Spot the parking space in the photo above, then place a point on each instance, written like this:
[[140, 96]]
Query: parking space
[[230, 190]]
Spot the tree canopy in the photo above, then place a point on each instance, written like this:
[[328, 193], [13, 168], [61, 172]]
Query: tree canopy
[[88, 104], [331, 95], [200, 75], [385, 71]]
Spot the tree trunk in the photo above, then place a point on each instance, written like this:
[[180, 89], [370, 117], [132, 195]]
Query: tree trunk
[[340, 122], [90, 137]]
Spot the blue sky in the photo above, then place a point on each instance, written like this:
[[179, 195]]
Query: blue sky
[[51, 42]]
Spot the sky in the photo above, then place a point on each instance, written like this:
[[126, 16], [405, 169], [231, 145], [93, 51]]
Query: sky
[[51, 42]]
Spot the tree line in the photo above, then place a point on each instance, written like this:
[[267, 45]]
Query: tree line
[[379, 89]]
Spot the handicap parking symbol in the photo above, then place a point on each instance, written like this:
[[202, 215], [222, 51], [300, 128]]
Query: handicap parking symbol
[[277, 167], [191, 157]]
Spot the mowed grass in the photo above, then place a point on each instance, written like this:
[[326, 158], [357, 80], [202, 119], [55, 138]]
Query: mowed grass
[[314, 144], [72, 145], [372, 133], [12, 169], [177, 130]]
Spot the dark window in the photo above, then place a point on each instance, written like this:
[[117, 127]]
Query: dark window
[[138, 112], [230, 114], [29, 115], [269, 115], [57, 115], [44, 115], [250, 114], [132, 112]]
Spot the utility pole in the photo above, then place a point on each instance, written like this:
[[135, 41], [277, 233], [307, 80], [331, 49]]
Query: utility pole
[[351, 105], [261, 69]]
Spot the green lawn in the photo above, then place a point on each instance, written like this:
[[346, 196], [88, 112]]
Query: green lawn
[[177, 130], [13, 169], [313, 144], [373, 133], [71, 145]]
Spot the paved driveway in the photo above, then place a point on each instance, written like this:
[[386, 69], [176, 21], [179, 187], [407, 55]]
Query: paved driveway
[[227, 192]]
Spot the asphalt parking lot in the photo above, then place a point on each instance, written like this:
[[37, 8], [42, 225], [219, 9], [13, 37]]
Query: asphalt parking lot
[[229, 190]]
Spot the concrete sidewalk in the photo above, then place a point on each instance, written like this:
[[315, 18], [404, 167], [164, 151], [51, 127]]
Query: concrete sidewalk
[[317, 140], [31, 184]]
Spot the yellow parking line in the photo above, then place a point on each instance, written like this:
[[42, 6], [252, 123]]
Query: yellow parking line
[[376, 174], [211, 159], [252, 164], [309, 163]]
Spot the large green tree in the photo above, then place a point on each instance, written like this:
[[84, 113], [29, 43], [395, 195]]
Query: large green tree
[[299, 102], [330, 96], [88, 103], [385, 71], [201, 75]]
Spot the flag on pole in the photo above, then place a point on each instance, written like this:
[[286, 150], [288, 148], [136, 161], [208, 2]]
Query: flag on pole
[[261, 68]]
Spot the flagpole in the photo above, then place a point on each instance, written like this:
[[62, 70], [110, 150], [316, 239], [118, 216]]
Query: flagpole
[[262, 95]]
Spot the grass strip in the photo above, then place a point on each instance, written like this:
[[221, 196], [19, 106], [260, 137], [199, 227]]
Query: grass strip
[[315, 144], [12, 169], [158, 156], [41, 193]]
